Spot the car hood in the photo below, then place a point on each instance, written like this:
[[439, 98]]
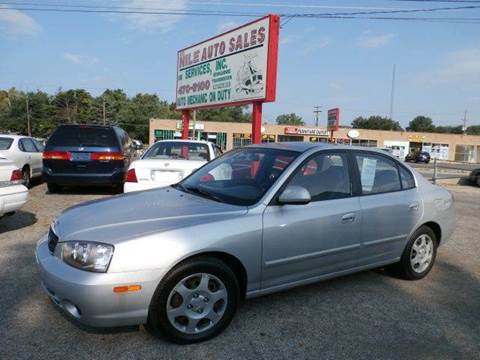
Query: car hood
[[138, 214]]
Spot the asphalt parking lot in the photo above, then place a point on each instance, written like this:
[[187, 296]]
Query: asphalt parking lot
[[367, 315]]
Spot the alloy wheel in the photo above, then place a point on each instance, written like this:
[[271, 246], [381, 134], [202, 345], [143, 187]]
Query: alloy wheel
[[421, 254], [197, 303]]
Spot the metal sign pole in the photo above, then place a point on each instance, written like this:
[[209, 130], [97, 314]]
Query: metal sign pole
[[185, 124], [257, 123]]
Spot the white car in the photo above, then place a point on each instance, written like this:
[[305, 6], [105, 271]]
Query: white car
[[167, 162], [25, 152], [12, 193]]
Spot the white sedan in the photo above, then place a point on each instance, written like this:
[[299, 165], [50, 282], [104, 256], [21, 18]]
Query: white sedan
[[25, 152], [167, 162], [12, 193]]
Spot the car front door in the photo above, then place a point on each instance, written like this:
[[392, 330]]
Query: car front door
[[391, 207], [302, 242]]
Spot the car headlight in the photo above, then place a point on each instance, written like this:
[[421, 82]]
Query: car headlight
[[85, 255]]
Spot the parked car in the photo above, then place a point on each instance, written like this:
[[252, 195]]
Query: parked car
[[25, 152], [475, 177], [86, 155], [421, 156], [254, 221], [167, 162], [13, 194]]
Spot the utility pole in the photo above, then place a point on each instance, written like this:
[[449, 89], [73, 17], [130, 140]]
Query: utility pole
[[29, 128], [464, 122], [317, 111], [103, 111], [392, 93]]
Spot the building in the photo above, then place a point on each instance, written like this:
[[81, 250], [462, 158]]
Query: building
[[227, 135]]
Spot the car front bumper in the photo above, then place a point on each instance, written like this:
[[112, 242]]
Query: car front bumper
[[89, 297]]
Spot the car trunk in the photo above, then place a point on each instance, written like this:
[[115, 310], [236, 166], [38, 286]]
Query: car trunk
[[164, 171]]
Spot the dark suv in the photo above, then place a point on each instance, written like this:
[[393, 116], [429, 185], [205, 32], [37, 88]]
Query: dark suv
[[86, 155]]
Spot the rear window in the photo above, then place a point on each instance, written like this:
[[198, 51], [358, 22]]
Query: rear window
[[5, 143], [178, 150], [83, 136]]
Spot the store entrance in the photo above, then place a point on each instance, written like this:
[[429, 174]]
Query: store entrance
[[415, 147]]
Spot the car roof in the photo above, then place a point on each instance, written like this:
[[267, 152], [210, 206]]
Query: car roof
[[13, 136], [306, 146], [185, 141]]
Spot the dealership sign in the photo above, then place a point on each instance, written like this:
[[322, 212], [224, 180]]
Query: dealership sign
[[234, 68], [291, 130], [333, 116]]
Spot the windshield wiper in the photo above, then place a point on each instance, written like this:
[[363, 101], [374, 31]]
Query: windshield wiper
[[204, 194]]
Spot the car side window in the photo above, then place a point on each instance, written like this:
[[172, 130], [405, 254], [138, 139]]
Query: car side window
[[217, 151], [27, 145], [38, 145], [407, 179], [377, 174], [325, 176]]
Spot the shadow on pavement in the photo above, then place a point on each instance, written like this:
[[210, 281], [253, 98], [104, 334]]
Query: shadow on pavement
[[17, 221]]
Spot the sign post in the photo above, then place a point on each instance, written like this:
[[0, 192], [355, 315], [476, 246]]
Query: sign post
[[235, 68], [333, 121]]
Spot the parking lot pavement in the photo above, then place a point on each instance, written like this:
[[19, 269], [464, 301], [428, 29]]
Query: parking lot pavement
[[366, 315]]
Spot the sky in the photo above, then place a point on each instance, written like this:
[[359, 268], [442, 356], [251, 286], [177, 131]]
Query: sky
[[327, 62]]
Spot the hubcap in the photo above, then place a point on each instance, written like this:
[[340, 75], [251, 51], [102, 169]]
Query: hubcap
[[197, 303], [421, 254]]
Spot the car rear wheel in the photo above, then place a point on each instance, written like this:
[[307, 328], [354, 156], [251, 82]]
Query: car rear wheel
[[419, 255], [195, 301]]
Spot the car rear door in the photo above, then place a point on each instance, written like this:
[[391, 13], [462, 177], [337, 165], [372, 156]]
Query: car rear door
[[301, 242], [33, 156], [391, 206]]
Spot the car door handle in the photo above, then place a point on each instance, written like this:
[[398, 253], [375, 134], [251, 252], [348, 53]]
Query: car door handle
[[348, 218], [413, 206]]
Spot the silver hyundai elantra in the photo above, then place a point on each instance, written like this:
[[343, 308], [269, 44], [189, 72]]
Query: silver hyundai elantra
[[256, 220]]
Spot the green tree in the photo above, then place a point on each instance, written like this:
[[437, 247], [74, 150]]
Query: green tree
[[290, 119], [473, 130], [225, 114], [449, 129], [376, 122], [421, 124]]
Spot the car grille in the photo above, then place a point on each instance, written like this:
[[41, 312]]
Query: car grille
[[52, 240]]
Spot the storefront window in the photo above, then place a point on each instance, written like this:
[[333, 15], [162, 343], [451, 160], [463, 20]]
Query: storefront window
[[465, 153], [364, 142], [268, 138], [164, 134], [289, 138], [318, 139], [240, 140]]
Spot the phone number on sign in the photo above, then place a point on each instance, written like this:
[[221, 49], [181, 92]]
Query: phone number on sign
[[198, 86]]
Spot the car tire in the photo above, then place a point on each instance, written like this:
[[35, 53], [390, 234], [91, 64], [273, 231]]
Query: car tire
[[172, 321], [53, 188], [26, 176], [419, 255]]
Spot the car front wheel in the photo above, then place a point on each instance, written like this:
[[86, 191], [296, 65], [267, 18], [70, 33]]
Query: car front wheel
[[419, 254], [195, 301]]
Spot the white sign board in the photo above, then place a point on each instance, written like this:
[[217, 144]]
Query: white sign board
[[233, 68]]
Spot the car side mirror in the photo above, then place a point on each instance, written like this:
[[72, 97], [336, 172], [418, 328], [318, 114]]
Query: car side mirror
[[294, 195]]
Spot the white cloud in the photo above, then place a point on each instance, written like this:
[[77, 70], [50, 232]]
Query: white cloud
[[15, 22], [321, 43], [150, 23], [77, 59], [227, 25], [461, 65], [369, 40]]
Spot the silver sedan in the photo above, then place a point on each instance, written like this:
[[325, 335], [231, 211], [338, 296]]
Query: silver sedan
[[255, 221]]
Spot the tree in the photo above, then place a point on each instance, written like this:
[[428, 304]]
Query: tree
[[290, 119], [376, 123], [421, 124], [449, 129], [225, 114], [473, 130]]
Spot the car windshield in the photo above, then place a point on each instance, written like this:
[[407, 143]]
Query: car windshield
[[178, 150], [84, 136], [5, 143], [240, 177]]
